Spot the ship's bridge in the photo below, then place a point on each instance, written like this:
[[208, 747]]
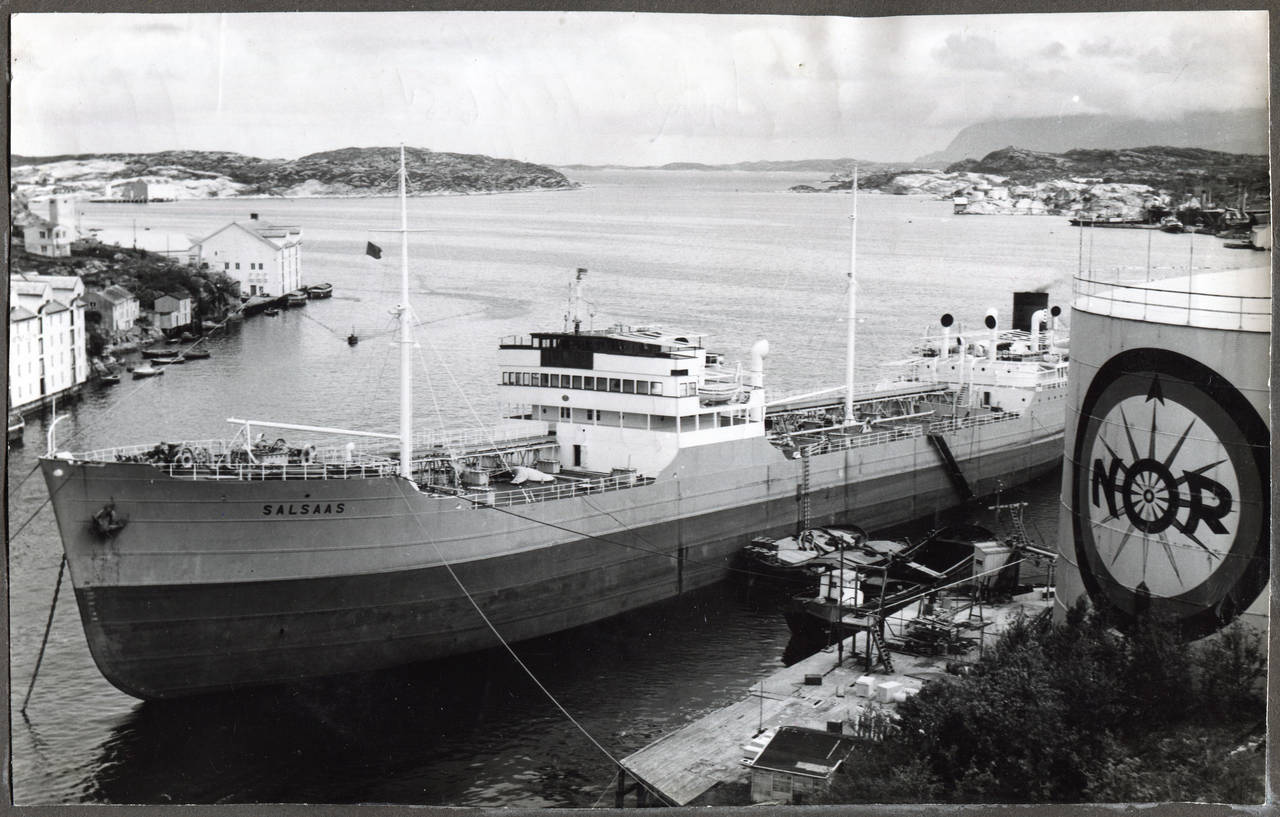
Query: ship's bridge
[[627, 397]]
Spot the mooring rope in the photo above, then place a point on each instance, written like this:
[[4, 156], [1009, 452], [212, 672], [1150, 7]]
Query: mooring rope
[[62, 567], [511, 651]]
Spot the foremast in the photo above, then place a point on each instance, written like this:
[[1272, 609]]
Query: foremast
[[406, 340], [851, 318]]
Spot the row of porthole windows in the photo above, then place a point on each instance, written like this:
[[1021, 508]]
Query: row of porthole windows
[[621, 385]]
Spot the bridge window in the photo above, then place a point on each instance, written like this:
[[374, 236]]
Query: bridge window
[[565, 412], [628, 387], [555, 381], [615, 384], [577, 381], [655, 387], [642, 387]]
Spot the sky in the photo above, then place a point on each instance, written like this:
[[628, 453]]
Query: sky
[[597, 88]]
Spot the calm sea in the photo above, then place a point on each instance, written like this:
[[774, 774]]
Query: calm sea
[[730, 254]]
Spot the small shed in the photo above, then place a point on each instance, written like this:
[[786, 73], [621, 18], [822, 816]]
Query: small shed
[[797, 764]]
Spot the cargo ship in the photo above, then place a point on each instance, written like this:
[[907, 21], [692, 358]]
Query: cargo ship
[[632, 465]]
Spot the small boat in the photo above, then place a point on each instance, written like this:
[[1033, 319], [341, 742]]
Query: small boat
[[187, 337], [353, 339], [197, 354], [109, 379], [271, 310], [879, 581], [174, 339], [146, 370], [296, 298], [174, 360], [318, 291], [155, 354], [16, 427], [1170, 224], [798, 558]]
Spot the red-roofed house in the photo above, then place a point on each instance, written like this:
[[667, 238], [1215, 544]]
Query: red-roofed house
[[265, 258]]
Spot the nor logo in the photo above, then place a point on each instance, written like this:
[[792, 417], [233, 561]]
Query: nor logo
[[1169, 496]]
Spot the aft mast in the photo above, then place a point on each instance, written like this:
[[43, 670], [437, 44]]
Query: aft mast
[[851, 319]]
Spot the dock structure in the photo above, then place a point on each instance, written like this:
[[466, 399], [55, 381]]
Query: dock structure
[[823, 690]]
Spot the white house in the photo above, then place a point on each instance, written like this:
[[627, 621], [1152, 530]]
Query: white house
[[171, 311], [117, 306], [46, 337], [265, 258], [43, 237]]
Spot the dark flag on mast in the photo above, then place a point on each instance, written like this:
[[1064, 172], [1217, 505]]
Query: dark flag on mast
[[372, 249]]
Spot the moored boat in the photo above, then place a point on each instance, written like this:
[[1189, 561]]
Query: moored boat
[[16, 427], [296, 298], [237, 562], [319, 291], [196, 354], [146, 370], [271, 311]]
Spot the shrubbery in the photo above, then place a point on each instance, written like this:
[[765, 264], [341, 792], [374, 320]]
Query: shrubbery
[[1076, 712]]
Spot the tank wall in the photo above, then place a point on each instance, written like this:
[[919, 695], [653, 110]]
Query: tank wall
[[1128, 376]]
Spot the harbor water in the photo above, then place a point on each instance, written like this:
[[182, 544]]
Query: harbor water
[[734, 255]]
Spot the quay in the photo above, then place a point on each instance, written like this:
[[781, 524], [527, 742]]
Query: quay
[[819, 692]]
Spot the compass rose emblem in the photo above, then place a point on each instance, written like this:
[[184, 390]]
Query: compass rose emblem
[[1170, 491]]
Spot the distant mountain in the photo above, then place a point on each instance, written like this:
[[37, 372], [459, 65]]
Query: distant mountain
[[1176, 169], [1242, 131], [345, 172]]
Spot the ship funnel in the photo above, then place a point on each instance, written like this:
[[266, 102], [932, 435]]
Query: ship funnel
[[992, 323], [1038, 318], [946, 320], [759, 351]]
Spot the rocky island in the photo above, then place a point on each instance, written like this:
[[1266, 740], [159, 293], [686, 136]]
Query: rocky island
[[1129, 183], [186, 174]]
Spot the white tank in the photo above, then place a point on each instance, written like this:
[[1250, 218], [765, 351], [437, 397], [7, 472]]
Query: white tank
[[1166, 480]]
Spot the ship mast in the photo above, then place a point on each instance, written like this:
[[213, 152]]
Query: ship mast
[[406, 342], [851, 318]]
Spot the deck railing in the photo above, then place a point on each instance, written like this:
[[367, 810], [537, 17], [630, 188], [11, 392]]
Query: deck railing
[[852, 439], [1172, 296], [514, 495]]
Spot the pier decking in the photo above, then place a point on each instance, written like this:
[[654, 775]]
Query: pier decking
[[682, 766]]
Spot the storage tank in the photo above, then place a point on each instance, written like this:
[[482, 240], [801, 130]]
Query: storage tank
[[1166, 475]]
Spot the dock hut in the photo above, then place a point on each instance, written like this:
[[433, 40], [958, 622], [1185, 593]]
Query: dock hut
[[797, 764]]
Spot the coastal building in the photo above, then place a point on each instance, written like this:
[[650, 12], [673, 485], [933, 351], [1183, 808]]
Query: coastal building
[[141, 190], [117, 306], [797, 764], [128, 190], [1167, 476], [43, 237], [171, 311], [47, 353], [266, 259]]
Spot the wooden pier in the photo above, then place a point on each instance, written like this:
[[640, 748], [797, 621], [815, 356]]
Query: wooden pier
[[817, 692]]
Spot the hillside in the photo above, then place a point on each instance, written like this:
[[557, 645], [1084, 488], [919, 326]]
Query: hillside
[[1169, 168], [1129, 183], [1243, 131], [759, 166], [345, 172]]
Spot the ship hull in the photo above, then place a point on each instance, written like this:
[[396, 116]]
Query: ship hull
[[214, 586]]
